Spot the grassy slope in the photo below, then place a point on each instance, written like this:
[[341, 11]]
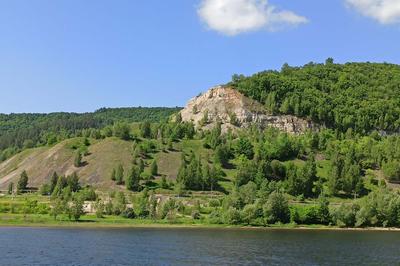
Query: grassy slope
[[40, 163], [104, 155]]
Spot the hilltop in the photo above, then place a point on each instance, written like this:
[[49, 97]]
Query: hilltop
[[362, 97], [233, 110]]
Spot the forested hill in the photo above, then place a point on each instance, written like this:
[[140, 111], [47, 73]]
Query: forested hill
[[360, 96], [19, 131]]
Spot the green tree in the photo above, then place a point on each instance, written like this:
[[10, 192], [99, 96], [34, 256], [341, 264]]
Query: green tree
[[249, 213], [73, 182], [154, 168], [391, 170], [119, 175], [244, 147], [122, 131], [309, 176], [22, 182], [141, 165], [100, 208], [247, 171], [295, 183], [222, 155], [232, 216], [58, 207], [323, 210], [143, 204], [276, 209], [119, 205], [53, 182], [335, 174], [133, 179], [75, 209], [58, 189], [78, 159], [278, 170], [164, 184], [145, 129]]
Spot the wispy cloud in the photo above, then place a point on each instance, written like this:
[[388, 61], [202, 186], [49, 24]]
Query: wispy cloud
[[232, 17], [384, 11]]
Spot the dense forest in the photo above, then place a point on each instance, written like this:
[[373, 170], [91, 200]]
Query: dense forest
[[19, 131], [358, 96]]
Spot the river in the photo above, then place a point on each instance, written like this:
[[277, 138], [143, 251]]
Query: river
[[56, 246]]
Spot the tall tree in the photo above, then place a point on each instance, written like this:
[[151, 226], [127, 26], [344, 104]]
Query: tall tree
[[133, 179], [53, 182], [119, 175], [154, 168], [78, 159], [22, 182], [145, 129]]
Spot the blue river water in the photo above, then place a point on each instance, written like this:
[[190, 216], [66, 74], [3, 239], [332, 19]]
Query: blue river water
[[55, 246]]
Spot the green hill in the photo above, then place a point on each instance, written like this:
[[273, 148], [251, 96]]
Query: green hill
[[157, 164], [360, 96]]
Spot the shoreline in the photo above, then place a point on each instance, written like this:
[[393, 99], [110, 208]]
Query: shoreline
[[83, 225]]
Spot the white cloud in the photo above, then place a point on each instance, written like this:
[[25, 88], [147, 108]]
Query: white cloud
[[384, 11], [232, 17]]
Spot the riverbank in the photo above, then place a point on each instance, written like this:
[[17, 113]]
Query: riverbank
[[87, 222]]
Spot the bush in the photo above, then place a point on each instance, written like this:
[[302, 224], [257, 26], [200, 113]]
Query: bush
[[75, 209], [196, 215], [215, 217], [250, 212], [168, 208], [88, 194], [45, 190], [99, 206], [232, 216], [129, 213], [345, 215], [392, 171], [214, 203], [276, 209]]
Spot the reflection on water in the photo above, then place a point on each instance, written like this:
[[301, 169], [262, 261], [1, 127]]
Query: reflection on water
[[30, 246]]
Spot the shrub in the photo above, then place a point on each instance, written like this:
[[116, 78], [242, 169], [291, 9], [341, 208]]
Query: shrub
[[215, 217], [276, 209], [129, 213], [232, 216], [249, 213], [196, 215], [345, 215]]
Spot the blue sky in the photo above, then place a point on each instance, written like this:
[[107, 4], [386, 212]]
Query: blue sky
[[75, 55]]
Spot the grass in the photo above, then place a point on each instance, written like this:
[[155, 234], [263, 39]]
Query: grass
[[93, 221], [89, 221]]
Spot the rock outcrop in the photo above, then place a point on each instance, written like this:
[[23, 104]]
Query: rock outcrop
[[234, 110]]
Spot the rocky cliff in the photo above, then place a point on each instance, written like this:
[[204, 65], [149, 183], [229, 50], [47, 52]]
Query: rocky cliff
[[235, 110]]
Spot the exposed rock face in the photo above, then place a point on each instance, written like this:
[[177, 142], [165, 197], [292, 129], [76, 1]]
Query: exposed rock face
[[234, 110]]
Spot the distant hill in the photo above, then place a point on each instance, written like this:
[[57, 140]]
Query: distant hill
[[360, 96], [19, 131]]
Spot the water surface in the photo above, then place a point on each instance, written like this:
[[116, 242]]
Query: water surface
[[55, 246]]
